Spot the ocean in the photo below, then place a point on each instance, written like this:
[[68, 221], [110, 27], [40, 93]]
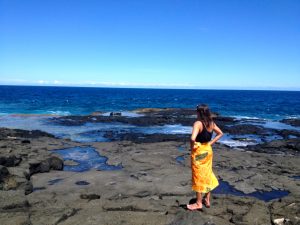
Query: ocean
[[273, 105], [29, 107]]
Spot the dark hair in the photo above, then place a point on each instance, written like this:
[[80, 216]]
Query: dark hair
[[204, 114]]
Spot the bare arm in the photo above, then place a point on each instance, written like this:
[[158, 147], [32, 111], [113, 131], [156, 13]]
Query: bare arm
[[197, 127], [219, 133]]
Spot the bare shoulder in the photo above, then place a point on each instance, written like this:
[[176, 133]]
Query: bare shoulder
[[197, 123]]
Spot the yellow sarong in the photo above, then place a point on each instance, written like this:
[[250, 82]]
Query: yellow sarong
[[203, 178]]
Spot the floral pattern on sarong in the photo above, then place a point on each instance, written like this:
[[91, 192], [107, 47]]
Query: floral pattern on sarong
[[203, 178]]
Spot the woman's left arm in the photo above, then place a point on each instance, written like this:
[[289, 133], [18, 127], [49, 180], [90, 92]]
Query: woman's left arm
[[218, 136], [197, 125]]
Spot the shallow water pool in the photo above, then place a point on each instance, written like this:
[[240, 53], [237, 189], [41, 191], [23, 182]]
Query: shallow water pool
[[87, 158], [225, 188]]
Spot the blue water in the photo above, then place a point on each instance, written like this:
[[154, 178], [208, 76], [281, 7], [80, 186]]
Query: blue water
[[76, 100], [296, 177], [55, 181], [87, 158], [262, 108], [225, 188], [180, 159]]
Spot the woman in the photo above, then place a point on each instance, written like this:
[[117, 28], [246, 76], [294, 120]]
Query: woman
[[203, 178]]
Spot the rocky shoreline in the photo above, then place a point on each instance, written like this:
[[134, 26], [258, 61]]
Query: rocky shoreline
[[154, 182]]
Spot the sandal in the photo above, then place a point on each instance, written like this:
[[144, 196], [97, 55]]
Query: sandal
[[194, 206]]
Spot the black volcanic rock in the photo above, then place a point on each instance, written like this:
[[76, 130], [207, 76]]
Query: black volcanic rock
[[293, 122], [18, 133], [20, 158], [241, 129], [3, 173], [185, 117], [291, 146], [286, 133], [10, 160]]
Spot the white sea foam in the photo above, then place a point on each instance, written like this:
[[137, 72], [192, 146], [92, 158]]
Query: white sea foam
[[245, 140], [247, 118], [293, 117], [233, 143], [75, 133], [277, 125], [77, 155], [168, 129], [59, 113]]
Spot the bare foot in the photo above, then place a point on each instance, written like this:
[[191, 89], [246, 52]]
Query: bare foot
[[194, 206], [206, 202]]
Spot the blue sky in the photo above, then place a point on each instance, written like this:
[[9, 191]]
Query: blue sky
[[232, 44]]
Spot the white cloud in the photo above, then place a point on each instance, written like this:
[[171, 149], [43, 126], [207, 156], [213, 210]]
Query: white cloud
[[43, 82], [91, 83], [58, 82]]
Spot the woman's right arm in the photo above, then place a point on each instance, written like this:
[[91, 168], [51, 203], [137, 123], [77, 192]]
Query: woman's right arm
[[219, 133]]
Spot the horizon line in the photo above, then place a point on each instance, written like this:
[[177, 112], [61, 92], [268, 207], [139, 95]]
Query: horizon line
[[162, 87]]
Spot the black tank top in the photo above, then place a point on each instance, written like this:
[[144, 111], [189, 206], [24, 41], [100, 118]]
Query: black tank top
[[204, 136]]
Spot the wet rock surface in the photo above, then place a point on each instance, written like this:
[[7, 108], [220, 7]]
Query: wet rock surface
[[162, 117], [152, 117], [144, 138], [19, 159], [291, 147], [293, 122], [152, 187]]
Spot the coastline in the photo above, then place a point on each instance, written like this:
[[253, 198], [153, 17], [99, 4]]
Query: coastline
[[153, 183]]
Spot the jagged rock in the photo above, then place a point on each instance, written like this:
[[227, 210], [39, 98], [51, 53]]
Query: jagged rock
[[56, 163], [19, 172], [291, 146], [293, 122], [115, 114], [34, 166], [28, 188], [244, 129], [3, 173], [26, 142], [45, 166], [38, 166], [15, 133], [11, 160], [10, 183]]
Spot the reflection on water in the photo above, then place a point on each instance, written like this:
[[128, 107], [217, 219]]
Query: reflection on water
[[87, 158], [180, 159], [225, 188]]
